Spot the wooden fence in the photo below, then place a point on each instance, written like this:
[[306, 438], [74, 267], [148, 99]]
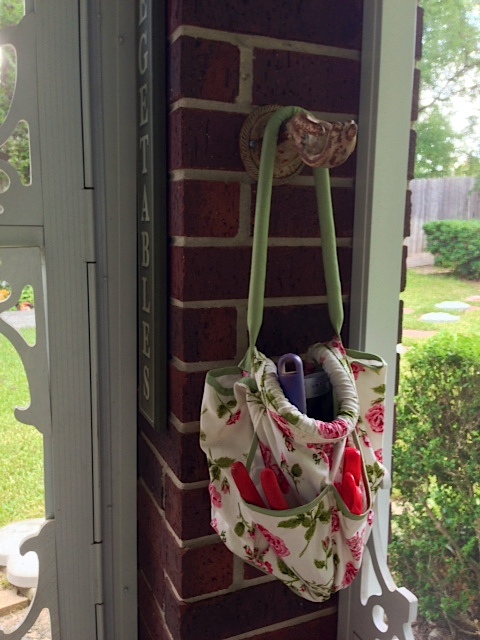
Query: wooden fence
[[440, 199]]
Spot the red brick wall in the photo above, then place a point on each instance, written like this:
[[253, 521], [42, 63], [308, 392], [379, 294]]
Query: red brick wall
[[225, 58]]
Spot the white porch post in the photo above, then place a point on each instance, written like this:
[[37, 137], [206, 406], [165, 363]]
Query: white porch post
[[111, 64], [373, 605]]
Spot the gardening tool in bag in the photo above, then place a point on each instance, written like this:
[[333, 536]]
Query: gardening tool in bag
[[307, 518]]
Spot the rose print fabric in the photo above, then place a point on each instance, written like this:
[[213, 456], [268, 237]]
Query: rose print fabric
[[314, 547]]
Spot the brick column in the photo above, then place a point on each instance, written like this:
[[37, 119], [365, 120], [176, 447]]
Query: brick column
[[225, 58]]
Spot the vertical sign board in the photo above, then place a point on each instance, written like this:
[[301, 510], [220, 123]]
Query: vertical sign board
[[152, 213]]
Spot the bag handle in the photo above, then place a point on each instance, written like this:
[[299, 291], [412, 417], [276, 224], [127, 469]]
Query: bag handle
[[260, 235]]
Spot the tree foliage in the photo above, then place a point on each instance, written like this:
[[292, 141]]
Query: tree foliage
[[17, 148], [450, 70], [450, 64], [436, 148], [8, 70], [11, 12]]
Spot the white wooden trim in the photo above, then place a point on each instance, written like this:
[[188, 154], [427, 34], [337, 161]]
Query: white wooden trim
[[76, 88], [381, 183], [112, 76], [68, 248]]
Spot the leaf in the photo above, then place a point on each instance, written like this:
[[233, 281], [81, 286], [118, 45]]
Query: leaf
[[320, 564], [293, 523], [215, 472], [296, 470], [203, 436], [231, 404], [347, 414], [380, 389], [324, 518], [310, 531], [284, 568], [239, 529], [222, 411], [306, 520], [224, 463], [291, 418]]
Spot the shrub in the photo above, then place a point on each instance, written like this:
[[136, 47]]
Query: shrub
[[455, 245], [27, 295], [436, 534]]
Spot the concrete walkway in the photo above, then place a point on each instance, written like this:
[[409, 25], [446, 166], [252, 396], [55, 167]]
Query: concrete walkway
[[20, 319]]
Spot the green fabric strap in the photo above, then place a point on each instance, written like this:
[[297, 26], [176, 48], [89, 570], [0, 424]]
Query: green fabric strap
[[260, 235]]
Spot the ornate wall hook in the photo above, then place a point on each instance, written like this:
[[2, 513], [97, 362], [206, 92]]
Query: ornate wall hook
[[287, 162], [303, 140], [320, 143]]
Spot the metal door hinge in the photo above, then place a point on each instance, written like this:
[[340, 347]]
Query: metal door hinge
[[98, 594], [97, 569]]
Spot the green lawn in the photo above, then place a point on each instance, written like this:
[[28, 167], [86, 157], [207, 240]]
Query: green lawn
[[21, 480], [423, 291]]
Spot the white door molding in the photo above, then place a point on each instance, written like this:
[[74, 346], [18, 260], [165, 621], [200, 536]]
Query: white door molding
[[108, 69], [381, 184], [76, 225]]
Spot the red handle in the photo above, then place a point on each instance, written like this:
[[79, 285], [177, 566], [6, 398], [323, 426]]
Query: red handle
[[272, 490], [245, 485], [351, 494], [352, 463]]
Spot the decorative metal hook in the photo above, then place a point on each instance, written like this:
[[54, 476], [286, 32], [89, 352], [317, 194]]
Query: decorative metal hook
[[320, 143], [304, 139]]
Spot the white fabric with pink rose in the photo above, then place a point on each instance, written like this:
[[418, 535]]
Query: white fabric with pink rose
[[314, 547]]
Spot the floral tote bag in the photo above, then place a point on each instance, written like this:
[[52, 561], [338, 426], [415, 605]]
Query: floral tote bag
[[314, 541]]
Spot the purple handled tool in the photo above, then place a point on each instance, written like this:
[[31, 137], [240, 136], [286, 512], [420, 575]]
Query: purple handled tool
[[290, 376]]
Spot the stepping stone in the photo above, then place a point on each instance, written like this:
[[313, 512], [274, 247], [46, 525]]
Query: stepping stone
[[452, 305], [22, 571], [11, 601], [12, 536], [438, 316]]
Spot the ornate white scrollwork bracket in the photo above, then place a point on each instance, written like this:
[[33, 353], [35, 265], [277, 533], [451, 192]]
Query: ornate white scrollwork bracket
[[21, 208], [21, 204], [374, 608], [43, 544], [21, 266]]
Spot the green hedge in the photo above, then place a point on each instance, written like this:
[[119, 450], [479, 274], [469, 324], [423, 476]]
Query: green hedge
[[435, 549], [455, 245]]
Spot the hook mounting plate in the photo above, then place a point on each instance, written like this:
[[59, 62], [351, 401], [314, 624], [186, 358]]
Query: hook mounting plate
[[287, 161]]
